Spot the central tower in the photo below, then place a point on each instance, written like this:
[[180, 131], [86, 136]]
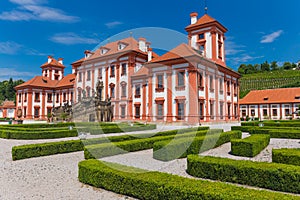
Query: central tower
[[207, 36]]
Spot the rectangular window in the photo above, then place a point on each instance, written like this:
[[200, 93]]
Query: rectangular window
[[252, 112], [201, 111], [124, 69], [112, 71], [25, 112], [200, 81], [160, 82], [88, 75], [180, 112], [123, 112], [160, 111], [235, 89], [221, 85], [229, 112], [201, 36], [221, 111], [287, 111], [49, 111], [124, 91], [36, 112], [20, 98], [220, 50], [100, 73], [57, 98], [49, 98], [265, 112], [79, 77], [211, 83], [274, 112], [228, 88], [65, 97], [235, 111], [37, 97], [72, 96], [137, 91], [211, 110], [244, 113], [137, 111], [180, 79], [112, 92], [25, 97]]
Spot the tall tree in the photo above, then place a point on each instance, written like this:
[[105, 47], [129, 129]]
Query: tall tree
[[265, 67], [274, 66], [287, 66]]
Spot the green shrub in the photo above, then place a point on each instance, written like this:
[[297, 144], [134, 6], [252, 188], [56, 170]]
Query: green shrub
[[180, 148], [250, 146], [40, 125], [143, 184], [286, 156], [45, 149], [274, 123], [36, 150], [110, 149], [26, 135], [272, 176]]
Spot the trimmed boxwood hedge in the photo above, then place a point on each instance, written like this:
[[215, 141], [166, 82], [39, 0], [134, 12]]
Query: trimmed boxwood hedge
[[40, 125], [180, 148], [143, 184], [26, 135], [286, 156], [110, 149], [274, 123], [251, 146], [274, 176], [45, 149], [50, 148]]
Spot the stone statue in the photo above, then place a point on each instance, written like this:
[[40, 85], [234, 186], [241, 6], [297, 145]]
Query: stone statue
[[99, 89]]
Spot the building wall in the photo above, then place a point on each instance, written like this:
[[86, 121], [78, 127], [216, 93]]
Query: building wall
[[276, 111]]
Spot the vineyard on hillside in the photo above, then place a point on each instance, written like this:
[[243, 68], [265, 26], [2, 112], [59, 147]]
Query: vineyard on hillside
[[269, 80]]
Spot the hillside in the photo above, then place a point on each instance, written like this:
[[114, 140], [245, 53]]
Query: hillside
[[269, 80]]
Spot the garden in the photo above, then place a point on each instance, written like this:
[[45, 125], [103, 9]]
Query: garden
[[179, 164]]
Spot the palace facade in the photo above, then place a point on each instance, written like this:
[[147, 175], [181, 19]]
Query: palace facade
[[189, 84], [37, 97]]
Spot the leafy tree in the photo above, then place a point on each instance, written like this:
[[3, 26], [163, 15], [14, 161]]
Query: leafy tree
[[257, 67], [242, 69], [287, 66], [7, 90], [265, 67], [274, 66]]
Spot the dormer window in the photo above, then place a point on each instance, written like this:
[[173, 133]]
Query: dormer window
[[297, 97], [121, 46], [103, 51], [266, 98]]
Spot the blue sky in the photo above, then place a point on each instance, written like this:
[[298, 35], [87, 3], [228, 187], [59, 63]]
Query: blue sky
[[33, 29]]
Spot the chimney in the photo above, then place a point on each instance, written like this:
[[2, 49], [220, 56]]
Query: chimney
[[50, 59], [149, 54], [142, 44], [194, 16], [60, 60]]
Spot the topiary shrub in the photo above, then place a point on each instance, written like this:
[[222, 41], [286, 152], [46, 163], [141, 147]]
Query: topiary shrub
[[286, 156]]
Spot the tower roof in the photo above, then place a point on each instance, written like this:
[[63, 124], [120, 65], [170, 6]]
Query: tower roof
[[53, 62], [206, 21]]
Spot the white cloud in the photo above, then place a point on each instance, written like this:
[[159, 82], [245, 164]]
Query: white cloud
[[271, 37], [33, 10], [72, 38], [11, 72], [9, 47], [232, 48], [113, 24], [244, 58]]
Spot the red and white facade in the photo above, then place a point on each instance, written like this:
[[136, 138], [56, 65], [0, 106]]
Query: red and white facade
[[273, 104], [7, 109], [36, 97], [189, 84]]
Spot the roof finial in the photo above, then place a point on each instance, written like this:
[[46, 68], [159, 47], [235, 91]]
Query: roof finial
[[205, 8]]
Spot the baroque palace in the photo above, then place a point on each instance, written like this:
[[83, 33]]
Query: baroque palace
[[189, 84]]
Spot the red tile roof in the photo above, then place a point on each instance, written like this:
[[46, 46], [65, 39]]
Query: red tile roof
[[8, 104], [204, 20], [142, 72], [181, 51], [53, 62], [282, 95], [131, 44], [45, 82]]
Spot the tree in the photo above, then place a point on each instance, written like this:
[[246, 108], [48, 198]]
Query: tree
[[257, 67], [242, 69], [274, 66], [287, 66], [265, 67]]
